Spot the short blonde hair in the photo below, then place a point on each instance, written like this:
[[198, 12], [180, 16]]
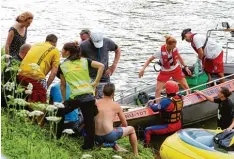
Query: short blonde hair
[[24, 16]]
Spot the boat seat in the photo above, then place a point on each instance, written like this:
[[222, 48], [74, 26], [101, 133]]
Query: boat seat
[[198, 138], [206, 140]]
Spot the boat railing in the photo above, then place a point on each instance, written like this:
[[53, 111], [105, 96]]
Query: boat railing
[[121, 96], [221, 30], [211, 82], [227, 50]]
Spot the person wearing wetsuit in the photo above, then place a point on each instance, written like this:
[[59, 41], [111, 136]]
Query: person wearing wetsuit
[[170, 109]]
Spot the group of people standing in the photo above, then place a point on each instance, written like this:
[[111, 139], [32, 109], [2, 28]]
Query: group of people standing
[[86, 71]]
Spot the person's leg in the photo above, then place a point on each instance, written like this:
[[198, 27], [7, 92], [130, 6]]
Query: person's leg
[[130, 131], [88, 110], [99, 90], [61, 113], [220, 76], [158, 129], [159, 87], [184, 84]]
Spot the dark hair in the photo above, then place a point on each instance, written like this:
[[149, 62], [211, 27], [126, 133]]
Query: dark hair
[[52, 38], [109, 89], [225, 91], [74, 50]]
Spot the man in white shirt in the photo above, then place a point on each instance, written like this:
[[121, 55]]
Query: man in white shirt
[[208, 51]]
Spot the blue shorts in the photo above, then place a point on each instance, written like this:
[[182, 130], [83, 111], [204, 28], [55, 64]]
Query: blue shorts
[[111, 137]]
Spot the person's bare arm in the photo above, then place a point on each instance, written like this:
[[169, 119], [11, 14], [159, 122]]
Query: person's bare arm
[[100, 68], [185, 66], [229, 29], [8, 41], [200, 53], [141, 73], [53, 73], [112, 68], [122, 117], [211, 99], [63, 87]]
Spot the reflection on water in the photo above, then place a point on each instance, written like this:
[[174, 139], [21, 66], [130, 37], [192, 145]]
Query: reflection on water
[[137, 26]]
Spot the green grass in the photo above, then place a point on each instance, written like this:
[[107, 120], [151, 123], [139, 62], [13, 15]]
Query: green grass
[[22, 140]]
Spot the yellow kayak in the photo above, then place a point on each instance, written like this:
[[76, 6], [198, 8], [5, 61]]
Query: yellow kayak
[[193, 144]]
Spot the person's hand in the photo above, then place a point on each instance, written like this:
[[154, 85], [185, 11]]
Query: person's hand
[[94, 84], [150, 102], [110, 70], [229, 129], [198, 92], [141, 73], [188, 71]]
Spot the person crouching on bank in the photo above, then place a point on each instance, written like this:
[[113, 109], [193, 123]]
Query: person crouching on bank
[[170, 109]]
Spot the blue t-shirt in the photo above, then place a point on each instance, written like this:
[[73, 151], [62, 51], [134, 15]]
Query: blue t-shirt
[[56, 95]]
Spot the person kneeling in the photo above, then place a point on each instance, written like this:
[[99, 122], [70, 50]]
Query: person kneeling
[[104, 130], [170, 109]]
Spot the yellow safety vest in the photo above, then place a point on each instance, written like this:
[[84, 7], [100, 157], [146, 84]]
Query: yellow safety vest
[[77, 76]]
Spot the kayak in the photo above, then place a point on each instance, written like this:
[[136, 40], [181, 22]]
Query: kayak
[[193, 144]]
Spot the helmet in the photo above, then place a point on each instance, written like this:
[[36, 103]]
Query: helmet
[[171, 87]]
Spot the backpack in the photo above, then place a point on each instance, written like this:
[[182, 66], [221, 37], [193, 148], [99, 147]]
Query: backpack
[[224, 140], [142, 98]]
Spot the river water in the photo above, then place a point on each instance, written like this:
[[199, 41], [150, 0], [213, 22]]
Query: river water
[[137, 26]]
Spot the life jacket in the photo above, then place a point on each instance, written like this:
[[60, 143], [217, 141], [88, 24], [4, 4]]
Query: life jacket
[[175, 115], [194, 46], [77, 76], [166, 61]]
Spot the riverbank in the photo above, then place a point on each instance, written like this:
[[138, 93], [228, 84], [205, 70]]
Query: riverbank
[[21, 139]]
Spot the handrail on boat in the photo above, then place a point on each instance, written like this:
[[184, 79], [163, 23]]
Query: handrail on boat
[[213, 81], [227, 50], [186, 91]]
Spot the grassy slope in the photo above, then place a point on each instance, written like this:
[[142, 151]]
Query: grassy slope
[[22, 140]]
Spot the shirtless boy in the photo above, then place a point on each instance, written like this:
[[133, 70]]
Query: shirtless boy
[[107, 110]]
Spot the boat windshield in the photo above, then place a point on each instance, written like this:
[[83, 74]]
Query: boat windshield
[[198, 137]]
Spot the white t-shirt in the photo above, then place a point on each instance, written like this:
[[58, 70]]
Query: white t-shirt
[[212, 49], [157, 55]]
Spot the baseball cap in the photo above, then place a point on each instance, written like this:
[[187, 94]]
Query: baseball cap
[[85, 31], [97, 38], [185, 31]]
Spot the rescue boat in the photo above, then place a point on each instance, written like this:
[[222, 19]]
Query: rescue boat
[[196, 108], [193, 144]]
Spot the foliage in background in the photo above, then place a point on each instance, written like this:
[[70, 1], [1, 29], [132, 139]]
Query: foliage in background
[[2, 51]]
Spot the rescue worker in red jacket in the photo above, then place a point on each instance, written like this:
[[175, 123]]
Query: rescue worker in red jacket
[[170, 67], [208, 51], [170, 109]]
